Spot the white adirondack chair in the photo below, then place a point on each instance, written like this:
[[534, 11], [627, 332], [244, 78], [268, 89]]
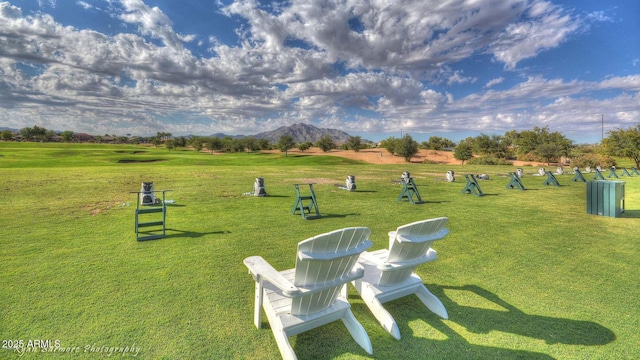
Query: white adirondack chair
[[389, 273], [315, 292]]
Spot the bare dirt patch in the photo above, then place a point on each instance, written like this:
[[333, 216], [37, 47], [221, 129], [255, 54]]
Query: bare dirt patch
[[382, 156]]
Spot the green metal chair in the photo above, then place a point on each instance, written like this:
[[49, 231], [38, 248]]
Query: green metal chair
[[515, 182], [551, 180], [311, 205], [472, 186]]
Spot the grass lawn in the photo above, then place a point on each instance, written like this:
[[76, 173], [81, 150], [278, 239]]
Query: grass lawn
[[523, 274]]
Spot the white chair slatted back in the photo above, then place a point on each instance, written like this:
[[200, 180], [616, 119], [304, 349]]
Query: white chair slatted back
[[325, 259], [410, 242]]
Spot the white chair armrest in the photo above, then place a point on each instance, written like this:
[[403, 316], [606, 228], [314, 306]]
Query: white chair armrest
[[407, 238], [260, 269], [383, 265]]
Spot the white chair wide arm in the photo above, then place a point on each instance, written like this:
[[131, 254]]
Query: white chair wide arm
[[260, 269], [415, 239], [382, 265]]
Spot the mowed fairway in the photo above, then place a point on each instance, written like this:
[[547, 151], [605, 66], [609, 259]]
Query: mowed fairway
[[523, 274]]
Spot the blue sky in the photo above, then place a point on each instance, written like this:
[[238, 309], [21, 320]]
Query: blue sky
[[371, 68]]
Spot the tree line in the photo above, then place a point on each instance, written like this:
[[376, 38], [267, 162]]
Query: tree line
[[538, 144]]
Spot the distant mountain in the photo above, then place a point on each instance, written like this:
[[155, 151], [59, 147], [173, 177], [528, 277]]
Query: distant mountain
[[303, 133], [222, 136]]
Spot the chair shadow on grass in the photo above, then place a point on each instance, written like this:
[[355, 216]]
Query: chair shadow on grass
[[506, 318], [192, 234], [447, 344], [499, 316]]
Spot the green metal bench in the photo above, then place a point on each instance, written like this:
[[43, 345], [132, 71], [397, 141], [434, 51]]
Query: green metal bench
[[472, 186], [409, 189], [515, 182], [551, 179], [306, 209], [579, 176], [161, 208]]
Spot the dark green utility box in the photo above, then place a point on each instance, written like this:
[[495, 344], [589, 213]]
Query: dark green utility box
[[605, 198]]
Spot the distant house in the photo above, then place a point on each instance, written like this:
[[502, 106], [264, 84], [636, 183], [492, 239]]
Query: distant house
[[82, 137]]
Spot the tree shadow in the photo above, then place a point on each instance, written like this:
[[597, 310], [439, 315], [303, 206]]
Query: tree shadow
[[510, 319]]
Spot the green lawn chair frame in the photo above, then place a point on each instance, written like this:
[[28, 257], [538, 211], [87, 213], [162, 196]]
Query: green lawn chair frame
[[612, 173], [152, 231], [515, 182], [409, 189], [472, 186], [634, 171], [598, 175], [625, 172], [551, 180], [306, 209], [579, 176]]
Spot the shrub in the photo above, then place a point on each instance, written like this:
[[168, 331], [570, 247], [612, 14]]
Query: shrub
[[488, 160], [593, 160]]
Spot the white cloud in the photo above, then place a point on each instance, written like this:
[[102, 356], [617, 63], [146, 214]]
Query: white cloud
[[495, 81], [547, 26], [380, 59], [84, 5], [151, 21]]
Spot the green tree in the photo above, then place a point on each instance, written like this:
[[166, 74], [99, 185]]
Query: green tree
[[493, 145], [303, 146], [390, 144], [27, 133], [155, 141], [463, 152], [549, 151], [180, 142], [250, 143], [529, 143], [6, 135], [407, 148], [213, 143], [438, 143], [623, 143], [39, 133], [285, 144], [354, 143], [236, 145], [197, 143], [326, 143], [67, 136], [264, 144], [170, 144]]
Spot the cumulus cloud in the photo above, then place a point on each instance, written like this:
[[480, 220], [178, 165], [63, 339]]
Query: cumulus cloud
[[351, 64]]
